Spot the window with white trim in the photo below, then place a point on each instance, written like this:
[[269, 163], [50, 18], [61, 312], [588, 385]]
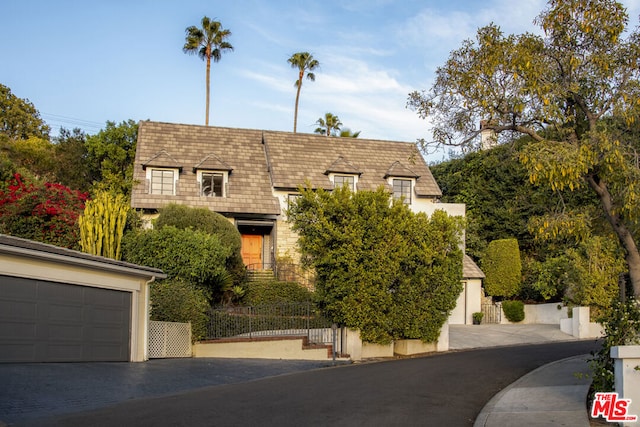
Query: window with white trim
[[402, 190], [341, 180], [213, 183], [162, 181]]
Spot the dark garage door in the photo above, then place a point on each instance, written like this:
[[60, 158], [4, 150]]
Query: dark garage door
[[53, 322]]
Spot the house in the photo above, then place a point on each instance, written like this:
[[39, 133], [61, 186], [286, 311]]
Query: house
[[60, 305], [249, 176]]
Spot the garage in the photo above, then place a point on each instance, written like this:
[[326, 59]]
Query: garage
[[43, 321], [59, 305]]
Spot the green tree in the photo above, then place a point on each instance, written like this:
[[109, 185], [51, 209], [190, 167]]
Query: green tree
[[379, 267], [498, 196], [32, 156], [102, 224], [305, 63], [19, 119], [329, 125], [111, 153], [594, 270], [501, 202], [574, 91], [71, 156], [207, 42], [503, 269]]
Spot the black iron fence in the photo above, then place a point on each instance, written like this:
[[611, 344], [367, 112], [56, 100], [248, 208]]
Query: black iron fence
[[295, 319]]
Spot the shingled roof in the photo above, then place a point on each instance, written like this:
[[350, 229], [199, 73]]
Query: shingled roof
[[260, 161], [296, 158], [470, 269], [237, 151]]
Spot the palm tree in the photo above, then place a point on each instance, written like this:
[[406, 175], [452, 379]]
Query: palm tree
[[347, 133], [305, 63], [207, 42], [328, 124]]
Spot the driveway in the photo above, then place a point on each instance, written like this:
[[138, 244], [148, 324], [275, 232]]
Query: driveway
[[32, 391]]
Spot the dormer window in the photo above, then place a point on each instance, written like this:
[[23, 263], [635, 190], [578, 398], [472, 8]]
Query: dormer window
[[401, 179], [402, 189], [341, 172], [344, 180], [213, 183], [162, 181], [212, 175], [162, 173]]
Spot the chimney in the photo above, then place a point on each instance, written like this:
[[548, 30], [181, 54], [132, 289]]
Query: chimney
[[488, 138]]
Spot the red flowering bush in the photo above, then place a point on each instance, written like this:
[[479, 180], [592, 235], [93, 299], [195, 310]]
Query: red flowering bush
[[46, 212]]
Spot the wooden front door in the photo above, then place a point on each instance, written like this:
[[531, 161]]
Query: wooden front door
[[252, 251]]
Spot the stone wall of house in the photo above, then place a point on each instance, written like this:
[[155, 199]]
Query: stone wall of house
[[287, 242]]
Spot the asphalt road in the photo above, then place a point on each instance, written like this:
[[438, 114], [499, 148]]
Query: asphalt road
[[440, 390]]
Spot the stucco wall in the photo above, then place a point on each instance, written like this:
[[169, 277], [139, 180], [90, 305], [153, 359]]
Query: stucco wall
[[549, 314], [469, 302]]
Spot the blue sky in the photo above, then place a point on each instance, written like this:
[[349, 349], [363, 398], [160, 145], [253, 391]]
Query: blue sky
[[82, 63]]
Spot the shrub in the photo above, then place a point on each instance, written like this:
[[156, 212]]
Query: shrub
[[503, 268], [43, 212], [513, 310], [192, 256], [274, 292], [202, 219], [477, 317], [180, 301]]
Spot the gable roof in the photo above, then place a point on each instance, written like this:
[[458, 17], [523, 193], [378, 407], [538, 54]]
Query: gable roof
[[470, 269], [340, 165], [212, 162], [401, 171], [296, 158], [161, 159]]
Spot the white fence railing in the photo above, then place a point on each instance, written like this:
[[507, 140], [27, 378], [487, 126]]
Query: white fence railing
[[169, 339]]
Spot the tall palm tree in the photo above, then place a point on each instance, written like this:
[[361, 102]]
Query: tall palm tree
[[207, 42], [328, 125], [305, 63]]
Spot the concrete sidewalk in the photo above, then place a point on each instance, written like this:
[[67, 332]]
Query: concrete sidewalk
[[552, 395]]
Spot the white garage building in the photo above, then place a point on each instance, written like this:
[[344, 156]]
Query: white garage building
[[59, 305]]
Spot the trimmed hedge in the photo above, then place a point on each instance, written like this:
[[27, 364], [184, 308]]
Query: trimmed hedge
[[513, 310], [503, 268], [180, 301]]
